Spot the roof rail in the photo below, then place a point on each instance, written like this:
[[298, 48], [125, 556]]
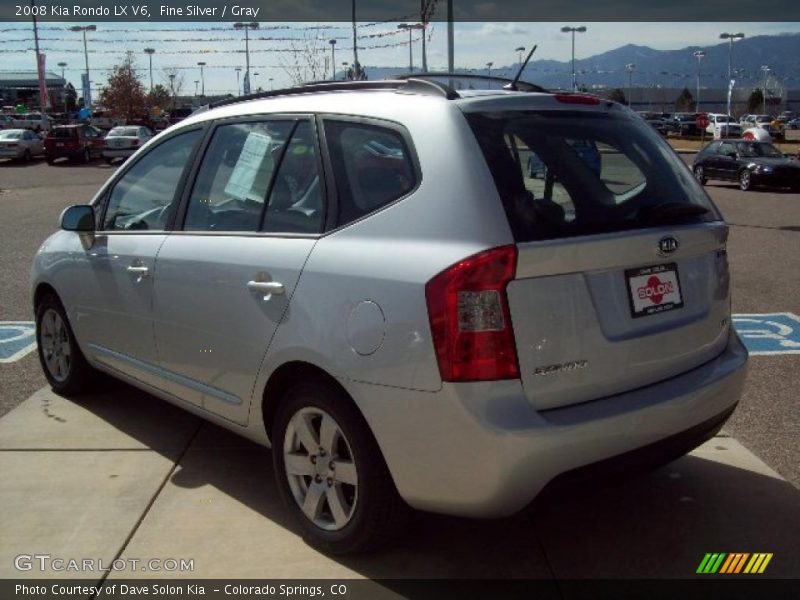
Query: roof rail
[[522, 86], [408, 85]]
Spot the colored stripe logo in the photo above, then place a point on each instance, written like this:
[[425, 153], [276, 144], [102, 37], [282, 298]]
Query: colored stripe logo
[[734, 563]]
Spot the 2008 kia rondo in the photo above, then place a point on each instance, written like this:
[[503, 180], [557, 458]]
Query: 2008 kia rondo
[[368, 278]]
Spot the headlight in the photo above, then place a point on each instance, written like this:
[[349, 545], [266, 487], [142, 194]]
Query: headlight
[[763, 169]]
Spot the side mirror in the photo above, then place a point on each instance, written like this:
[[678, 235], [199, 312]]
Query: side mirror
[[78, 218]]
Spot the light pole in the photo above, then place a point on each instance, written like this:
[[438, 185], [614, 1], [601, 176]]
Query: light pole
[[332, 42], [731, 37], [271, 87], [196, 81], [255, 80], [573, 31], [238, 89], [62, 65], [519, 50], [172, 88], [345, 64], [766, 69], [247, 27], [202, 64], [630, 67], [411, 27], [698, 54], [150, 52], [87, 91], [489, 69]]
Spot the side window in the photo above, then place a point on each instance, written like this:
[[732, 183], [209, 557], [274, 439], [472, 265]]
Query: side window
[[234, 178], [726, 149], [372, 167], [295, 200], [143, 197]]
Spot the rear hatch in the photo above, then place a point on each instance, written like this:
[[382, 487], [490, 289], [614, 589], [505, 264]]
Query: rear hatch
[[62, 138], [122, 139], [622, 274]]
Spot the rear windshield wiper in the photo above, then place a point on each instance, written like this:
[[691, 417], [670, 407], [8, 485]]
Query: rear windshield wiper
[[669, 211]]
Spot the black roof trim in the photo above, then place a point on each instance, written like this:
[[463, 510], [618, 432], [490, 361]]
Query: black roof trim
[[522, 86]]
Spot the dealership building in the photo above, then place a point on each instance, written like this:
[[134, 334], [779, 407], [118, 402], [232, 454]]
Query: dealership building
[[22, 87]]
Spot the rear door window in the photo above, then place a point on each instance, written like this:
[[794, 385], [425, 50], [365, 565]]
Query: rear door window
[[564, 173], [372, 167]]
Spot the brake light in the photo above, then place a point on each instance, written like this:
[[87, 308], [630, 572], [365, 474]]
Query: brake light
[[470, 319], [135, 142], [577, 99]]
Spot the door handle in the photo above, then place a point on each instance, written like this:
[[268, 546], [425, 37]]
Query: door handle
[[141, 271], [268, 288]]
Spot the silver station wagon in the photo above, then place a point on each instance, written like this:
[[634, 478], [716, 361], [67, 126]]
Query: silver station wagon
[[369, 278]]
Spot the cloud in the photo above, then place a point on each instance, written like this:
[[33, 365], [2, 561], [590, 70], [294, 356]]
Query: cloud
[[501, 29]]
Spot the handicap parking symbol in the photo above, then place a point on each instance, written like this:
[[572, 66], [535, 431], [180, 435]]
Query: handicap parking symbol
[[17, 338], [772, 333]]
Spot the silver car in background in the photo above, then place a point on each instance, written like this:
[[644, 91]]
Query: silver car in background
[[364, 277], [20, 144], [123, 141]]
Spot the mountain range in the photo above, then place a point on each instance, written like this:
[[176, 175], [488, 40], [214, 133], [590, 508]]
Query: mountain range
[[664, 68]]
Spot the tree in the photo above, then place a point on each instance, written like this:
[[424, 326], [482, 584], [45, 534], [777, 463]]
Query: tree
[[158, 96], [173, 81], [685, 101], [617, 95], [755, 103], [124, 95], [309, 59], [70, 97]]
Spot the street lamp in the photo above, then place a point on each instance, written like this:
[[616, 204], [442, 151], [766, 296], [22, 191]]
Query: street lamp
[[519, 50], [271, 87], [247, 27], [150, 52], [196, 81], [238, 89], [698, 54], [730, 37], [766, 69], [87, 91], [332, 42], [202, 64], [62, 65], [489, 69], [411, 27], [573, 31], [255, 80], [630, 67]]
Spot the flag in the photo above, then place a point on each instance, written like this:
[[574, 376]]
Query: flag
[[87, 92]]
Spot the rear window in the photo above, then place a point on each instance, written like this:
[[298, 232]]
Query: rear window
[[562, 174], [64, 132], [124, 132]]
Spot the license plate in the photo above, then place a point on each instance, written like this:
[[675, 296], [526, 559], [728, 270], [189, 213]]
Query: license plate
[[654, 290], [59, 144]]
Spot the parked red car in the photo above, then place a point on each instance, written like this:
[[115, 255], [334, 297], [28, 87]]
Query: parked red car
[[73, 141]]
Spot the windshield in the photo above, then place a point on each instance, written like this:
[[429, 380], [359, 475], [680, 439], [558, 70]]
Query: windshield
[[756, 149], [64, 132], [124, 131], [10, 135], [763, 119], [562, 174]]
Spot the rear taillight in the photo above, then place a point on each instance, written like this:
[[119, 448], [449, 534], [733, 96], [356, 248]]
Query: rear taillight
[[135, 143], [470, 319]]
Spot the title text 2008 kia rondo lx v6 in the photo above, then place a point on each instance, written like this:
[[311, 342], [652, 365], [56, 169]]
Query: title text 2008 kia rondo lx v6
[[366, 278]]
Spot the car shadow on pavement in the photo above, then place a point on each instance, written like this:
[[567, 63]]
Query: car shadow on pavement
[[658, 525]]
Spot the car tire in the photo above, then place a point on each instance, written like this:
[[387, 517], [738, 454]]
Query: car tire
[[61, 358], [745, 180], [26, 157], [87, 155], [700, 175], [50, 160], [352, 514], [109, 160]]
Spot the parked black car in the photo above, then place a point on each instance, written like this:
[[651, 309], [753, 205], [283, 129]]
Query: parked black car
[[683, 124], [749, 162], [656, 120]]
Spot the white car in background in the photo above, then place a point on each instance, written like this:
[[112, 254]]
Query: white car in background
[[20, 143], [123, 141], [728, 126]]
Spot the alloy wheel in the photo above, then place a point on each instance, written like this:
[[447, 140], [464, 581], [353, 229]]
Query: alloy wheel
[[54, 340], [744, 180], [320, 468]]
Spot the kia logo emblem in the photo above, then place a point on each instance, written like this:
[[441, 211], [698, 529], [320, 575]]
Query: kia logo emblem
[[667, 245]]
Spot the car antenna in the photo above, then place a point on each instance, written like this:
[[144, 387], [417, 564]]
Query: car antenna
[[513, 85]]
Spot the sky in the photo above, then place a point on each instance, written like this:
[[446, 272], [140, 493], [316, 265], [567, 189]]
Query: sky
[[182, 45]]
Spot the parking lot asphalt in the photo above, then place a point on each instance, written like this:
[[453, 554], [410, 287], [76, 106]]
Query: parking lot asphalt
[[165, 468]]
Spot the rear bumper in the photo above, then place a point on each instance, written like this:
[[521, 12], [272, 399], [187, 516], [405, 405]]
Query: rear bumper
[[482, 450], [118, 153]]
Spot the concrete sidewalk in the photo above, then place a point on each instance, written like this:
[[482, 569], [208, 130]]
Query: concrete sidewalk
[[123, 475]]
